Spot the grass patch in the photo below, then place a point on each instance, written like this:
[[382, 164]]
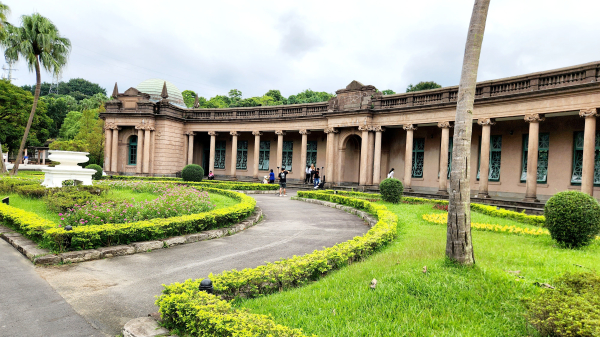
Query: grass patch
[[37, 206], [446, 301]]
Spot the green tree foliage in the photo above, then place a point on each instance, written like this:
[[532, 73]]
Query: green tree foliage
[[388, 92], [58, 107], [188, 98], [91, 131], [15, 105], [272, 97], [422, 86], [77, 88], [4, 11], [70, 126]]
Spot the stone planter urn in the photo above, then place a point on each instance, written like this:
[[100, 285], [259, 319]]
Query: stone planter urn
[[67, 169]]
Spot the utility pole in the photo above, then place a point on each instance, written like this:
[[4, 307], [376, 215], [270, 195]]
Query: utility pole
[[54, 85], [7, 72]]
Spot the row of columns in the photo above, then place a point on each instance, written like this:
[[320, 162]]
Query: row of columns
[[111, 148]]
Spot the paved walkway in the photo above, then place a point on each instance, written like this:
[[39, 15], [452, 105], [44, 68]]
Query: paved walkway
[[110, 292], [28, 304]]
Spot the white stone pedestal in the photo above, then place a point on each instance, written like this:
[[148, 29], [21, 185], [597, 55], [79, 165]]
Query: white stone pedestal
[[68, 168]]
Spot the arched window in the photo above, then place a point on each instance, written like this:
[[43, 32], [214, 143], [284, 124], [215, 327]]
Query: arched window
[[132, 151]]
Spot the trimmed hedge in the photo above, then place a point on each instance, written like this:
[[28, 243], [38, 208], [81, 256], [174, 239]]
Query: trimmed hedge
[[10, 184], [391, 190], [536, 220], [98, 174], [57, 239], [192, 172], [179, 302], [220, 184], [573, 218], [196, 313]]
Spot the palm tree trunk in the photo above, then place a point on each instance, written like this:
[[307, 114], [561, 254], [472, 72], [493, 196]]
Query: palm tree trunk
[[38, 86], [459, 246], [2, 166]]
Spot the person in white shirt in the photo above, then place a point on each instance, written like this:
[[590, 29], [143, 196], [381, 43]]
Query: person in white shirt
[[391, 174], [307, 177]]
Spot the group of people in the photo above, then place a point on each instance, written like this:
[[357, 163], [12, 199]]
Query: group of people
[[313, 176]]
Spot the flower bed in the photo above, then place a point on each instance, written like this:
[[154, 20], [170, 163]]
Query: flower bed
[[172, 200], [226, 185], [442, 219], [49, 235], [179, 303]]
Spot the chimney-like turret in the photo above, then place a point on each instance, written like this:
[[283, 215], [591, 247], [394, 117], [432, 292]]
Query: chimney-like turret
[[164, 93]]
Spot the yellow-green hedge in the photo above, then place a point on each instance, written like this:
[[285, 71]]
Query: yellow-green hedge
[[179, 302], [536, 220], [58, 239], [224, 185]]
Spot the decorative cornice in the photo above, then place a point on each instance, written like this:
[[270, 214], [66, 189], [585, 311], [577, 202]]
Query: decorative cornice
[[330, 130], [585, 113], [304, 132], [445, 125], [534, 118], [377, 128], [234, 133], [486, 121], [213, 133], [409, 127], [257, 133], [280, 132]]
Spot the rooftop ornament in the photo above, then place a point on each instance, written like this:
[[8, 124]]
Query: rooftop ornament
[[68, 168]]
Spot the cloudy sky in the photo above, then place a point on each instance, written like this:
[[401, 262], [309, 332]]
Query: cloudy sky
[[213, 46]]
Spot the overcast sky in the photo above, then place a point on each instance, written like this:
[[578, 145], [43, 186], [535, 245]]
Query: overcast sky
[[213, 46]]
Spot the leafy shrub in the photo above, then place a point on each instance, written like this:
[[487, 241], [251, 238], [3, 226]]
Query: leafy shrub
[[32, 191], [573, 218], [10, 185], [69, 145], [441, 207], [98, 174], [197, 313], [192, 172], [63, 198], [391, 190], [572, 309]]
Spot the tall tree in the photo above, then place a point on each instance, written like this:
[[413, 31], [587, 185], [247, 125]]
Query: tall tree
[[4, 11], [459, 246], [40, 44], [422, 86]]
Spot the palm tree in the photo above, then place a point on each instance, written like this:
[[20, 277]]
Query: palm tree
[[459, 246], [4, 11], [40, 44]]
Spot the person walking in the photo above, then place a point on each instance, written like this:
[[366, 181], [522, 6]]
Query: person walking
[[391, 174], [283, 182], [316, 178], [312, 173], [307, 177], [271, 177]]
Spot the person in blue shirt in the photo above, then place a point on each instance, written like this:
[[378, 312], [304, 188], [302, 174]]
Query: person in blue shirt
[[271, 177]]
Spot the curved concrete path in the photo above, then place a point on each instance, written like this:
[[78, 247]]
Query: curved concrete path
[[110, 292]]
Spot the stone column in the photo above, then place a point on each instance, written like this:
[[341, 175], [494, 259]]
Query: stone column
[[484, 157], [234, 135], [140, 144], [107, 148], [370, 156], [443, 181], [211, 159], [147, 142], [304, 134], [532, 156], [364, 155], [589, 150], [377, 156], [410, 128], [43, 157], [190, 156], [115, 150], [257, 135], [330, 155], [280, 134]]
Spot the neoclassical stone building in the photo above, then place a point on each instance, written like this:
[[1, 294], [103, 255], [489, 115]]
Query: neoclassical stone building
[[533, 135]]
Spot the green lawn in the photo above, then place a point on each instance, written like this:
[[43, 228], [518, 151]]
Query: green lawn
[[39, 207], [446, 301]]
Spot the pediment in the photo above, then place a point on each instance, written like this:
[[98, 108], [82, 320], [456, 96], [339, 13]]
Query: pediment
[[354, 85], [132, 92]]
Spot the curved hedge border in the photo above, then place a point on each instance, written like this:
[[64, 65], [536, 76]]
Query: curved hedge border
[[49, 235], [536, 220], [183, 308], [224, 185]]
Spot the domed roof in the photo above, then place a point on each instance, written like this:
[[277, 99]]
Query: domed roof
[[154, 86]]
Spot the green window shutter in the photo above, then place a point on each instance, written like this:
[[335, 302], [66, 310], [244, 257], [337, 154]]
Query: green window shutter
[[220, 154], [450, 144], [578, 159], [263, 155], [286, 160], [132, 151], [242, 155], [542, 169], [418, 157], [495, 157], [311, 153]]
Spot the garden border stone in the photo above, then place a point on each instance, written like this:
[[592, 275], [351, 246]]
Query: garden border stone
[[41, 256]]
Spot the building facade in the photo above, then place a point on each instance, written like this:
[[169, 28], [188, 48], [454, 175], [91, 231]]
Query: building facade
[[533, 136]]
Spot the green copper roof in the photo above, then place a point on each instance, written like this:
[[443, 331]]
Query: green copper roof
[[154, 86]]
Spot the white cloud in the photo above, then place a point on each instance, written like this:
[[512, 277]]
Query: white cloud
[[211, 47]]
